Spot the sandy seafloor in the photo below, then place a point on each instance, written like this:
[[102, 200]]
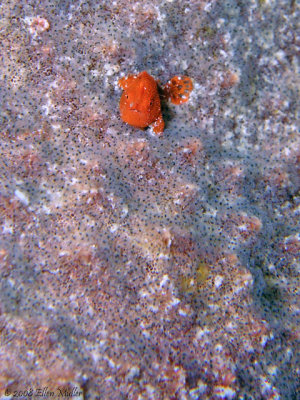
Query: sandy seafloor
[[141, 267]]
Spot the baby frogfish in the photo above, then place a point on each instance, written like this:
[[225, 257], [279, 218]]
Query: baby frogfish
[[178, 89], [140, 101]]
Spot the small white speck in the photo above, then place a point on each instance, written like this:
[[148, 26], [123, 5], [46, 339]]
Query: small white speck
[[103, 342], [218, 281], [143, 293], [264, 340], [111, 362], [146, 333], [164, 280], [272, 268], [133, 372], [223, 54], [201, 333], [153, 308], [265, 385], [22, 197], [56, 127], [124, 211], [173, 302], [7, 227], [280, 55], [218, 348], [182, 312], [225, 392], [198, 391], [150, 389], [114, 228], [11, 282], [272, 370]]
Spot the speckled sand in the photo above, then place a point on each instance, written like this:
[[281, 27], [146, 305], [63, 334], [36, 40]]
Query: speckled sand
[[137, 267]]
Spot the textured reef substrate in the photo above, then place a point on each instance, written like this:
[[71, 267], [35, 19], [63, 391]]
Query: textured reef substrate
[[145, 268]]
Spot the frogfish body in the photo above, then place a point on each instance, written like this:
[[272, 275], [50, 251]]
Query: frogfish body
[[140, 102]]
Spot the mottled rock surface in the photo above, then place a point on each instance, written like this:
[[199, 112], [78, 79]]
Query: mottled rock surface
[[145, 268]]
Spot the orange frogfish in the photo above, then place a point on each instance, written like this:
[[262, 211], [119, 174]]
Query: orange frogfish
[[140, 101]]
